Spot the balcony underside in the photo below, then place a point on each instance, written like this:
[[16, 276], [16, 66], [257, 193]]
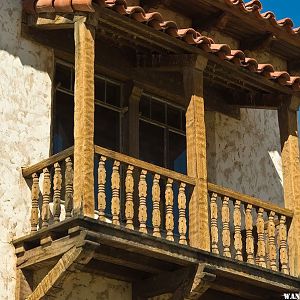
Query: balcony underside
[[154, 267]]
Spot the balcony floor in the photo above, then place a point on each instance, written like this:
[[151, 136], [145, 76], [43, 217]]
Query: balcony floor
[[153, 265]]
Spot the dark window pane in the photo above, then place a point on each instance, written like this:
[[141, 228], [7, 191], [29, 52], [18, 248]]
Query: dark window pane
[[99, 89], [63, 76], [174, 117], [113, 94], [151, 143], [177, 152], [158, 111], [183, 122], [145, 106], [64, 122], [107, 127]]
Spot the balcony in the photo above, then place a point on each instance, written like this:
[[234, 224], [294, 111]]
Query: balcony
[[140, 229]]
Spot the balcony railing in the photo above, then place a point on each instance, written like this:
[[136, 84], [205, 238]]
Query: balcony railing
[[152, 200], [129, 192], [248, 229]]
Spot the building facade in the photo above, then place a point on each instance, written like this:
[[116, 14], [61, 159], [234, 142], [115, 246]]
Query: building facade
[[149, 150]]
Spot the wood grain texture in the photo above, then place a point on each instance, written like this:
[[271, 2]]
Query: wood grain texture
[[101, 188], [143, 205], [57, 183], [214, 223], [156, 217], [35, 191], [261, 247], [129, 205], [169, 197], [249, 234], [69, 176], [115, 187], [237, 218], [84, 36], [226, 231], [182, 223], [46, 198]]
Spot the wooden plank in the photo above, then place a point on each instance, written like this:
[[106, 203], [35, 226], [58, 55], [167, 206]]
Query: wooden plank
[[268, 206], [144, 165], [84, 107], [287, 118], [38, 168], [199, 235]]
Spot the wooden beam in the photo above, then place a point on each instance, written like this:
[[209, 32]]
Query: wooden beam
[[287, 116], [196, 155], [218, 21], [263, 42], [55, 274], [84, 35]]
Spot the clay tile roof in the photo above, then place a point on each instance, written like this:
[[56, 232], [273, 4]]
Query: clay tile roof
[[188, 35]]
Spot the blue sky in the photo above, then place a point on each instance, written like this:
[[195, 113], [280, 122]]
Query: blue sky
[[283, 9]]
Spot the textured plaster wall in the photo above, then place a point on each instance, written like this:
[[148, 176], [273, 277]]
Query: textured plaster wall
[[25, 101], [86, 286], [244, 154]]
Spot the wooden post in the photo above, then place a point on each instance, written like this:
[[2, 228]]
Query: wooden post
[[84, 118], [196, 155], [287, 116]]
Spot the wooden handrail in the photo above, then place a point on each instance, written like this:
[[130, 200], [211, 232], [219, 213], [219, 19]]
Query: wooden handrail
[[37, 168], [268, 206], [144, 165]]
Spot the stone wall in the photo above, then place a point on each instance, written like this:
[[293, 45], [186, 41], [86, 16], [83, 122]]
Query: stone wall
[[244, 154], [25, 103]]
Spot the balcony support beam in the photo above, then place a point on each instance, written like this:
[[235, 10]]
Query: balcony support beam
[[291, 176], [196, 154], [84, 35]]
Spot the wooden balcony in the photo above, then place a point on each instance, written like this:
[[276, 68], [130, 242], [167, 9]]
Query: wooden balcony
[[140, 233]]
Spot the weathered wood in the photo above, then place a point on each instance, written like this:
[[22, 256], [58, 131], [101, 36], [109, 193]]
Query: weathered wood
[[57, 182], [55, 274], [156, 218], [139, 164], [267, 206], [261, 247], [23, 285], [46, 198], [101, 188], [69, 187], [169, 197], [287, 117], [226, 231], [84, 36], [35, 191], [237, 218], [115, 186], [249, 234], [214, 223], [38, 168], [143, 205], [129, 205], [196, 155], [182, 227], [283, 251], [272, 242]]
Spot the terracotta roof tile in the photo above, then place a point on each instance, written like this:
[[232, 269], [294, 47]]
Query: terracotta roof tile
[[188, 35]]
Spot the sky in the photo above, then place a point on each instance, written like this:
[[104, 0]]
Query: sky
[[283, 9]]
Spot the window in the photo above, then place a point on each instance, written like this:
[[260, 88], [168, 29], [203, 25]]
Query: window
[[162, 138]]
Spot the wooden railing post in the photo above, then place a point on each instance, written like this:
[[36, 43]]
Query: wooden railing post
[[84, 35], [287, 116], [196, 155]]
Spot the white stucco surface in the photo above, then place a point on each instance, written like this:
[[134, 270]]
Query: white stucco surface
[[244, 154], [25, 102]]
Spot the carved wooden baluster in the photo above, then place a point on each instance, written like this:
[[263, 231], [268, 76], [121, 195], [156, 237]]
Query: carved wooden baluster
[[272, 244], [46, 198], [283, 245], [69, 187], [115, 185], [143, 206], [237, 219], [169, 196], [57, 181], [182, 217], [156, 221], [129, 208], [214, 223], [226, 232], [249, 236], [267, 247], [35, 191], [261, 246], [101, 188]]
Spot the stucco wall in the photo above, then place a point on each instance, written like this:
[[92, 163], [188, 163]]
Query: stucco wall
[[244, 154], [86, 286], [25, 101]]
